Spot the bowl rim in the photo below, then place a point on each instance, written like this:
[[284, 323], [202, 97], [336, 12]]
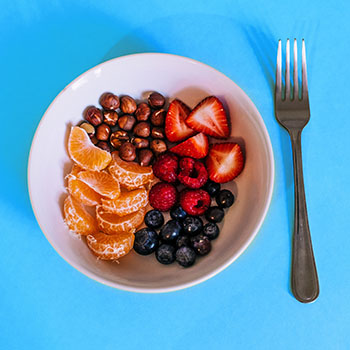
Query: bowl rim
[[198, 280]]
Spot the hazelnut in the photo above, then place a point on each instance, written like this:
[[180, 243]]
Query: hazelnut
[[158, 117], [94, 139], [128, 105], [104, 145], [93, 115], [127, 151], [126, 122], [157, 133], [118, 137], [142, 129], [156, 100], [110, 117], [90, 129], [158, 146], [140, 142], [145, 157], [143, 111], [109, 101], [102, 132]]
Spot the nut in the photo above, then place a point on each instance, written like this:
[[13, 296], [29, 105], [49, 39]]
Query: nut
[[110, 117], [140, 142], [118, 137], [143, 111], [126, 122], [142, 129], [94, 139], [104, 145], [90, 129], [157, 133], [145, 157], [102, 132], [158, 146], [93, 115], [158, 117], [127, 151], [128, 105], [156, 100], [109, 101]]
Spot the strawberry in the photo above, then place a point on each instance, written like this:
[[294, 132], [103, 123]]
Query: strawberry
[[195, 147], [225, 161], [209, 117], [175, 126]]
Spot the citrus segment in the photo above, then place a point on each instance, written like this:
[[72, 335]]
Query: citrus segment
[[82, 192], [75, 170]]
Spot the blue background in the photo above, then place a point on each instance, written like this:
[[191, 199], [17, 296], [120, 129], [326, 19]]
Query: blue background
[[47, 304]]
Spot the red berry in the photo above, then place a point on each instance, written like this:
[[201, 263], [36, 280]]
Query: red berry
[[193, 173], [195, 202], [166, 167], [163, 196]]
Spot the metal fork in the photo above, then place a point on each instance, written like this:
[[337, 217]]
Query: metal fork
[[293, 113]]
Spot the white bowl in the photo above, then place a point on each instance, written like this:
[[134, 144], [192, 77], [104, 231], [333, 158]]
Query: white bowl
[[136, 75]]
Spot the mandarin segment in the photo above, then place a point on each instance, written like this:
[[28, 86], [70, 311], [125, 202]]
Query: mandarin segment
[[82, 192]]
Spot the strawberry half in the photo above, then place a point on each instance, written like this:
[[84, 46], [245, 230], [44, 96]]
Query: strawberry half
[[209, 117], [195, 147], [225, 161], [175, 126]]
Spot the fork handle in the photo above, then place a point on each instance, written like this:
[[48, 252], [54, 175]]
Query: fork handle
[[304, 281]]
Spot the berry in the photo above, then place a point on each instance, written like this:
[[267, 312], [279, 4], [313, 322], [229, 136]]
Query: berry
[[212, 188], [163, 196], [182, 241], [211, 230], [177, 213], [209, 117], [225, 199], [214, 214], [154, 219], [195, 147], [146, 241], [193, 173], [195, 202], [170, 231], [165, 254], [166, 167], [192, 225], [185, 256], [201, 244]]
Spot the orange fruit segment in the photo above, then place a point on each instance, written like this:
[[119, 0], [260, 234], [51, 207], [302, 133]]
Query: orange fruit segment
[[129, 174], [84, 152], [113, 224], [110, 247], [75, 170], [82, 192], [128, 202], [77, 218]]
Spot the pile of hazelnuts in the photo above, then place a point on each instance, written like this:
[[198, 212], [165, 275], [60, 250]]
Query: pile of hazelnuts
[[136, 130]]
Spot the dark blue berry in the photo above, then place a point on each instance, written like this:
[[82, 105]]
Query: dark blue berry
[[154, 219], [211, 230], [170, 231], [192, 225], [185, 256], [182, 241], [201, 244], [225, 199], [212, 188], [214, 214], [177, 213], [146, 241], [165, 254]]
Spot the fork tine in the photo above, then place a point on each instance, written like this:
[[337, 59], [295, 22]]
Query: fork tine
[[304, 73], [295, 70], [278, 91], [287, 70]]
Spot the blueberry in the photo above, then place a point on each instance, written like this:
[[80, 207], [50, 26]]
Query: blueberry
[[165, 254], [211, 230], [177, 213], [182, 241], [170, 231], [201, 244], [146, 241], [225, 199], [214, 214], [185, 256], [192, 225], [212, 188], [154, 219]]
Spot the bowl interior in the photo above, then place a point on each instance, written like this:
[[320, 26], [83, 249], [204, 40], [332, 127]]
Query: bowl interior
[[136, 75]]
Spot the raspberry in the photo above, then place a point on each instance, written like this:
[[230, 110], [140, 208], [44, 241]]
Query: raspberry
[[166, 167], [195, 202], [163, 196], [193, 173]]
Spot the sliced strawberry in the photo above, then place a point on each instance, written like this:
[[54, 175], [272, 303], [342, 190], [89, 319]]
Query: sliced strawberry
[[175, 126], [195, 147], [225, 161], [209, 117]]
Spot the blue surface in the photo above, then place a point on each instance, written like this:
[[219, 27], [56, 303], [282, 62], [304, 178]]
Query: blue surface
[[47, 304]]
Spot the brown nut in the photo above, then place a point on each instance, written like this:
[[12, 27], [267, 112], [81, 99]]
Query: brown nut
[[102, 132], [110, 117], [145, 157], [157, 133], [127, 151], [94, 139], [93, 115], [158, 117], [158, 146], [142, 112], [142, 129], [89, 128], [140, 142], [128, 105], [109, 101], [156, 100], [118, 137], [126, 122], [104, 145]]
